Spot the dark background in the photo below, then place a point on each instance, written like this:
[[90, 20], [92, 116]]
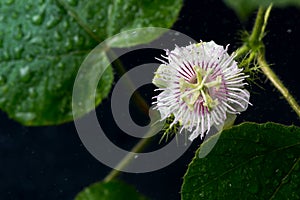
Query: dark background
[[51, 162]]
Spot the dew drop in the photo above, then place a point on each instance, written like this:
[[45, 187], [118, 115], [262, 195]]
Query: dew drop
[[41, 2], [19, 33], [52, 22], [58, 85], [25, 73], [2, 100], [100, 17], [68, 44], [26, 116], [32, 92], [27, 36], [6, 55], [29, 57], [60, 65], [133, 8], [9, 2], [38, 19], [125, 7], [73, 2], [39, 41], [2, 18], [57, 36], [28, 7], [285, 180], [4, 89], [65, 25], [2, 80], [18, 52], [78, 40], [14, 15]]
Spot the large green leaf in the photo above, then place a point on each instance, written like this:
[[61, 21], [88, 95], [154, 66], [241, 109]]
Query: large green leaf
[[243, 8], [114, 190], [249, 161], [121, 15], [44, 42]]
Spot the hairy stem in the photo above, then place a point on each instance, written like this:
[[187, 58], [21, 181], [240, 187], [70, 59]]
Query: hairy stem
[[255, 44], [278, 84], [143, 106], [257, 28], [126, 160], [139, 101]]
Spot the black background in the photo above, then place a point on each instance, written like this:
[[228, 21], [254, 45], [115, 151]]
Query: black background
[[51, 162]]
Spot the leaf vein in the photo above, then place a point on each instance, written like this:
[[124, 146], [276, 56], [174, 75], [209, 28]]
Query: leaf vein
[[282, 180]]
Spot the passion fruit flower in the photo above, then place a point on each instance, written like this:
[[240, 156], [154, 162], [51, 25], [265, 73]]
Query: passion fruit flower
[[199, 85]]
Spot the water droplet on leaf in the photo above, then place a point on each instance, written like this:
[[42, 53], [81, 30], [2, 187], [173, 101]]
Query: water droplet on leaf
[[18, 52], [73, 2], [28, 7], [19, 33], [38, 19], [79, 40], [52, 22], [4, 89], [32, 92], [25, 116], [29, 57], [68, 44], [25, 73], [2, 80], [6, 55], [60, 65], [14, 15], [39, 41], [2, 18], [57, 36], [65, 25], [41, 2], [9, 2]]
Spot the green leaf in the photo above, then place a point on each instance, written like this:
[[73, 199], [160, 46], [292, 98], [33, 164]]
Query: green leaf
[[113, 190], [249, 161], [43, 44], [244, 8], [123, 15]]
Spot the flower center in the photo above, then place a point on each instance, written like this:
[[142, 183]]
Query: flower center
[[198, 88]]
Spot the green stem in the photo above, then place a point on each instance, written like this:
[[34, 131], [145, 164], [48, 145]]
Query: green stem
[[278, 84], [243, 50], [254, 39], [257, 28], [139, 101], [255, 45], [126, 160], [143, 106]]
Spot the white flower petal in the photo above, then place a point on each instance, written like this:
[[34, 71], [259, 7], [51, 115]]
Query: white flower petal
[[200, 83]]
